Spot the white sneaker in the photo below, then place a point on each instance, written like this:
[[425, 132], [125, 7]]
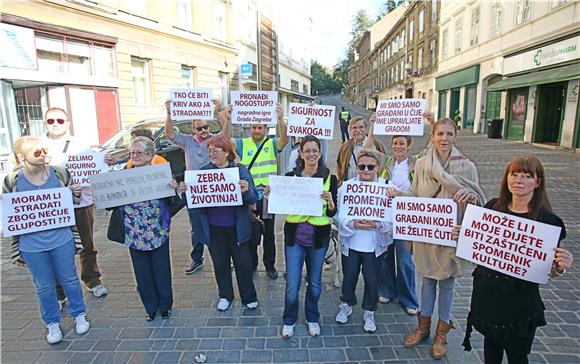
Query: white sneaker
[[54, 333], [369, 319], [98, 291], [287, 331], [411, 311], [252, 305], [344, 313], [384, 299], [82, 325], [223, 304], [61, 303], [313, 328]]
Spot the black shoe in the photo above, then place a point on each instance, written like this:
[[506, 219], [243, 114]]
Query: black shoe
[[194, 267], [150, 316], [272, 273], [165, 314]]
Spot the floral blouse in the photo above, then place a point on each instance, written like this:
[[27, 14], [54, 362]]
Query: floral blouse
[[145, 229]]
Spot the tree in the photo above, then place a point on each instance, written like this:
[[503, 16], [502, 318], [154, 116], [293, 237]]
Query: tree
[[387, 7], [323, 82]]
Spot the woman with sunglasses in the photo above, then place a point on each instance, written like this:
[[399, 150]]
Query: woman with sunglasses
[[306, 239], [147, 227], [362, 244], [227, 230], [443, 172], [48, 254]]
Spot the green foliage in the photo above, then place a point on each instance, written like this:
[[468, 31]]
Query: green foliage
[[323, 82]]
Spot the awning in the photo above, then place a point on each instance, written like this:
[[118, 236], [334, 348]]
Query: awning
[[538, 78], [297, 95]]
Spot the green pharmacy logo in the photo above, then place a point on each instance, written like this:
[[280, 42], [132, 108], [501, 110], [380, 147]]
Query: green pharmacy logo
[[537, 59]]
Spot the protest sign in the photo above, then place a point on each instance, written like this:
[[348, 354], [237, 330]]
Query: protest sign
[[37, 210], [213, 187], [190, 104], [82, 164], [399, 117], [295, 195], [254, 107], [429, 220], [365, 200], [117, 188], [508, 244], [317, 120]]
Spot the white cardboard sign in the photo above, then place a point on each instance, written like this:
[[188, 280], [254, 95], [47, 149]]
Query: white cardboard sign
[[83, 164], [191, 103], [117, 188], [213, 187], [508, 244], [365, 200], [317, 120], [254, 107], [38, 210], [429, 220], [295, 195], [400, 117]]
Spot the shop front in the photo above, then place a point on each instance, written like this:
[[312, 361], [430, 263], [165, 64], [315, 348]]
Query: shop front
[[458, 95]]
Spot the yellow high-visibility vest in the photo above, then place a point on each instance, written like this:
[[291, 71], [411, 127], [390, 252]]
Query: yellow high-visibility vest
[[264, 165]]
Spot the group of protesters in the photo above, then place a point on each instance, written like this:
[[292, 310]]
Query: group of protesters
[[506, 310]]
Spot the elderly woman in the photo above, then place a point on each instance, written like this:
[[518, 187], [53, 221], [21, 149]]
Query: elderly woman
[[226, 230], [146, 229], [442, 173], [48, 254], [362, 244], [505, 309]]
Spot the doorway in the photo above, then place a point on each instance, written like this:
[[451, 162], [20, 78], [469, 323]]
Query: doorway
[[517, 111], [442, 104], [454, 105], [469, 106], [550, 113]]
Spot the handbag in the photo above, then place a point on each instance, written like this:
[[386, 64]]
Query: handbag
[[116, 229]]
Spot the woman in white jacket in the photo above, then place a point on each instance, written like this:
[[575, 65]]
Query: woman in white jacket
[[362, 243]]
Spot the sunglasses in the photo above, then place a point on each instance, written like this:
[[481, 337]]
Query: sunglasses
[[38, 152], [51, 121], [200, 128], [370, 167]]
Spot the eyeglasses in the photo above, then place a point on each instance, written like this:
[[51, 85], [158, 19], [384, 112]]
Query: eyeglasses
[[138, 154], [51, 121], [310, 151], [369, 167], [214, 150], [40, 151], [200, 128]]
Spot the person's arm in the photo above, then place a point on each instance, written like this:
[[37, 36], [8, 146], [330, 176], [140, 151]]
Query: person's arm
[[169, 132], [226, 121], [282, 129], [370, 143], [249, 196], [333, 191]]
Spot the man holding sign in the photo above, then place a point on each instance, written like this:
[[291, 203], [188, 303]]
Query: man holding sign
[[399, 117]]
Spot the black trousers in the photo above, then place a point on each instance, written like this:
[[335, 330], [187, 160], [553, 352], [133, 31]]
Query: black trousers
[[268, 241], [493, 354], [344, 131], [223, 249], [351, 267], [152, 270]]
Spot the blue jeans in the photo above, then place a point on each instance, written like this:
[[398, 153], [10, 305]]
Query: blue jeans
[[47, 268], [295, 256], [196, 245], [429, 293], [401, 283]]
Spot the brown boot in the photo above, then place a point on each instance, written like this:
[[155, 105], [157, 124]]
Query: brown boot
[[438, 349], [420, 333]]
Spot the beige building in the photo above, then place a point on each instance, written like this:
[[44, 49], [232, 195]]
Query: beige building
[[513, 60]]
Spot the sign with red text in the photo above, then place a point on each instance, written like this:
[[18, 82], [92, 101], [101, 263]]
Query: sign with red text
[[508, 244], [295, 195], [317, 120], [83, 164], [429, 220], [190, 104], [38, 210], [138, 184], [213, 187], [365, 200], [399, 117], [254, 107]]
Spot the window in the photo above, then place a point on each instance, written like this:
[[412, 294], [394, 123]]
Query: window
[[184, 14], [523, 11], [188, 76], [400, 41], [421, 21], [432, 47], [305, 89], [420, 56], [474, 27], [556, 3], [496, 17], [389, 51], [433, 10], [224, 88], [410, 61], [294, 85], [458, 34], [397, 73], [411, 29], [402, 69], [403, 38], [141, 80], [220, 20], [444, 38]]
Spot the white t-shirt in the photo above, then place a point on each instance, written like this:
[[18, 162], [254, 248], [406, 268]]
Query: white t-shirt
[[363, 241], [400, 175], [352, 170]]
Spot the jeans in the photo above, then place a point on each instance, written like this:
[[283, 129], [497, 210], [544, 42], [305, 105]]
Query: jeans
[[398, 280], [47, 268], [351, 267], [344, 131], [196, 245], [295, 256], [268, 242], [429, 293]]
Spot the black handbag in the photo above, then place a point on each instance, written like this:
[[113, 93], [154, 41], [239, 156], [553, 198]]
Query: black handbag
[[116, 229]]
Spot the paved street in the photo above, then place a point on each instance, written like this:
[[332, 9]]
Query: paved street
[[120, 334]]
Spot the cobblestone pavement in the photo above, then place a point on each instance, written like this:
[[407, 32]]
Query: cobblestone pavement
[[120, 334]]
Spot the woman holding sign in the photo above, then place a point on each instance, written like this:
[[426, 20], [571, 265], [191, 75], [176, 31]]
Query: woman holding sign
[[443, 172], [48, 254], [505, 309], [306, 239]]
